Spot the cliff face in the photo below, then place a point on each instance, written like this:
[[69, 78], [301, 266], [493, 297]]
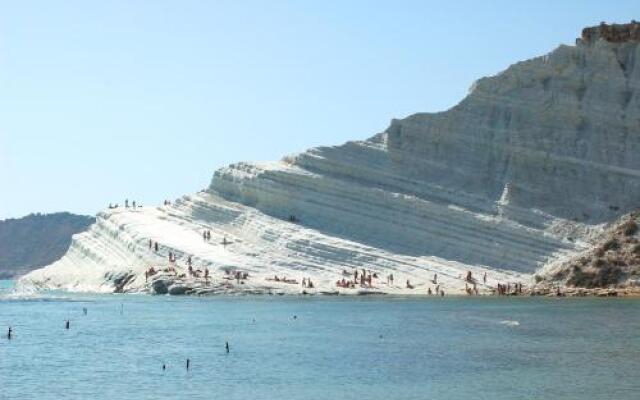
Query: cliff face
[[523, 172], [556, 137], [560, 133]]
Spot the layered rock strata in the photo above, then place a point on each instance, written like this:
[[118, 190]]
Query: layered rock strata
[[523, 172]]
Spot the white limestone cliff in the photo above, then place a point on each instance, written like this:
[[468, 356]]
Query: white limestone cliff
[[524, 171]]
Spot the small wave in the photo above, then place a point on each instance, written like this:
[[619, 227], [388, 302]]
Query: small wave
[[508, 322]]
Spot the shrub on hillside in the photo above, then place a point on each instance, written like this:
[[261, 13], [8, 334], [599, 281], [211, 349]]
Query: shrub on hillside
[[630, 228]]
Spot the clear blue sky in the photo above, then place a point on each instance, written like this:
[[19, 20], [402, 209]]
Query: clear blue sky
[[102, 100]]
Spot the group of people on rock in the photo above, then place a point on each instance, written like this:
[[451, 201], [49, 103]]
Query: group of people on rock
[[508, 289], [239, 276], [153, 245], [197, 273], [343, 283], [284, 279], [363, 278], [167, 202], [471, 290], [149, 272], [470, 279], [126, 205]]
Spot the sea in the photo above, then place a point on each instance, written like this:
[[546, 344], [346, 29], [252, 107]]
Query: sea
[[291, 347]]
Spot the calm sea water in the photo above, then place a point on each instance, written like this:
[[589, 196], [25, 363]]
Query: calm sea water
[[340, 348]]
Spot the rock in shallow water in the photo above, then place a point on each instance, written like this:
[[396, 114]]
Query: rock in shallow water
[[176, 290], [160, 286]]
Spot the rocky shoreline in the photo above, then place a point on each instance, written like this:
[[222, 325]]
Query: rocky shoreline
[[585, 292], [164, 283]]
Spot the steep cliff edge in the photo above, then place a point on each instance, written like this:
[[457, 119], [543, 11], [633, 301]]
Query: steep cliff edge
[[525, 171]]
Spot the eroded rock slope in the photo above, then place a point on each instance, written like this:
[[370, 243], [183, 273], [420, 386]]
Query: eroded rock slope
[[524, 172]]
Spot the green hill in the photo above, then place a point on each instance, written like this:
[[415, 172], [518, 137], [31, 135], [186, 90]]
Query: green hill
[[36, 240]]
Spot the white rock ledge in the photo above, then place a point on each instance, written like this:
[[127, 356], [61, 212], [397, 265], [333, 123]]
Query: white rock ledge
[[522, 173]]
